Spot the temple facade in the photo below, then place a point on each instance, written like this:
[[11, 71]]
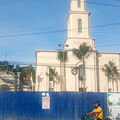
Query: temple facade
[[78, 33]]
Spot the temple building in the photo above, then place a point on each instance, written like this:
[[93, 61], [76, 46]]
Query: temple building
[[78, 33]]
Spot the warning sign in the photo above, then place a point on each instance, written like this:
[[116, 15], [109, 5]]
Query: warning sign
[[46, 102]]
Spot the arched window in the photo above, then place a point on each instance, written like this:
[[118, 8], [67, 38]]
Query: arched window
[[79, 25], [79, 3]]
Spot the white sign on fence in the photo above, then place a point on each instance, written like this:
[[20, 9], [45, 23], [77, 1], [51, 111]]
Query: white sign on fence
[[46, 101]]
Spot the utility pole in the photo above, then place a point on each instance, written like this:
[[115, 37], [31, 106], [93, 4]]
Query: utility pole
[[62, 46]]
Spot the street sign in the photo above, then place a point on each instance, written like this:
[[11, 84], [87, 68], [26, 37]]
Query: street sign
[[74, 71]]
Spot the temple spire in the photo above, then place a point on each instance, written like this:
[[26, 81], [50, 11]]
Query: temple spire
[[77, 5]]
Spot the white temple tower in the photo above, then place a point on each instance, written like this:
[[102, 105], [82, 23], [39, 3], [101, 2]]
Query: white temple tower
[[78, 25]]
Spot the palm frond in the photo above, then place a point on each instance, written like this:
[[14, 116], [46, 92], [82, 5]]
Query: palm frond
[[83, 51], [52, 73], [62, 56], [110, 70]]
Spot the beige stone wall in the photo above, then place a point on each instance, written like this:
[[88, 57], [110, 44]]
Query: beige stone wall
[[104, 58], [96, 81], [73, 18], [46, 59], [72, 82], [75, 42]]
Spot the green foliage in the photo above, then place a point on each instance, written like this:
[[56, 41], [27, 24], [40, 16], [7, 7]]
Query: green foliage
[[52, 73], [18, 69], [34, 75], [24, 79], [82, 52], [62, 56], [81, 73], [5, 66], [26, 74], [110, 70]]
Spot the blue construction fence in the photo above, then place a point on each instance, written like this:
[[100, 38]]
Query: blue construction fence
[[59, 106]]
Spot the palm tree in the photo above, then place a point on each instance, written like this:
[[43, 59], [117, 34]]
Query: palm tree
[[82, 53], [62, 56], [52, 76], [27, 77], [111, 72]]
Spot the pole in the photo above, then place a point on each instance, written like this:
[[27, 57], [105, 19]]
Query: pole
[[63, 81]]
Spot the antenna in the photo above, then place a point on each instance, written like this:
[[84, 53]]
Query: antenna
[[6, 56], [6, 61]]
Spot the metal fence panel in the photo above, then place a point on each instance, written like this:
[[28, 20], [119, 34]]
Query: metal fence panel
[[63, 105]]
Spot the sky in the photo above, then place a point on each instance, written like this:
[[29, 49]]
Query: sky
[[30, 25]]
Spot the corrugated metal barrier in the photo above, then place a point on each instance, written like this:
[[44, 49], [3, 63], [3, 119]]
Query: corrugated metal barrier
[[35, 106]]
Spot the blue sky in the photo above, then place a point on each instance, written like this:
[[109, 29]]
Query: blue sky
[[35, 16]]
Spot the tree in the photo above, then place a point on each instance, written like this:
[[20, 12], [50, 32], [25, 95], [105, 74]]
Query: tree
[[5, 66], [23, 75], [27, 77], [82, 53], [52, 76], [111, 72], [62, 56]]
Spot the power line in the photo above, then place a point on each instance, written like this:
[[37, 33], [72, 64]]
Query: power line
[[57, 31], [115, 33], [105, 25], [104, 4], [109, 45], [35, 33]]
